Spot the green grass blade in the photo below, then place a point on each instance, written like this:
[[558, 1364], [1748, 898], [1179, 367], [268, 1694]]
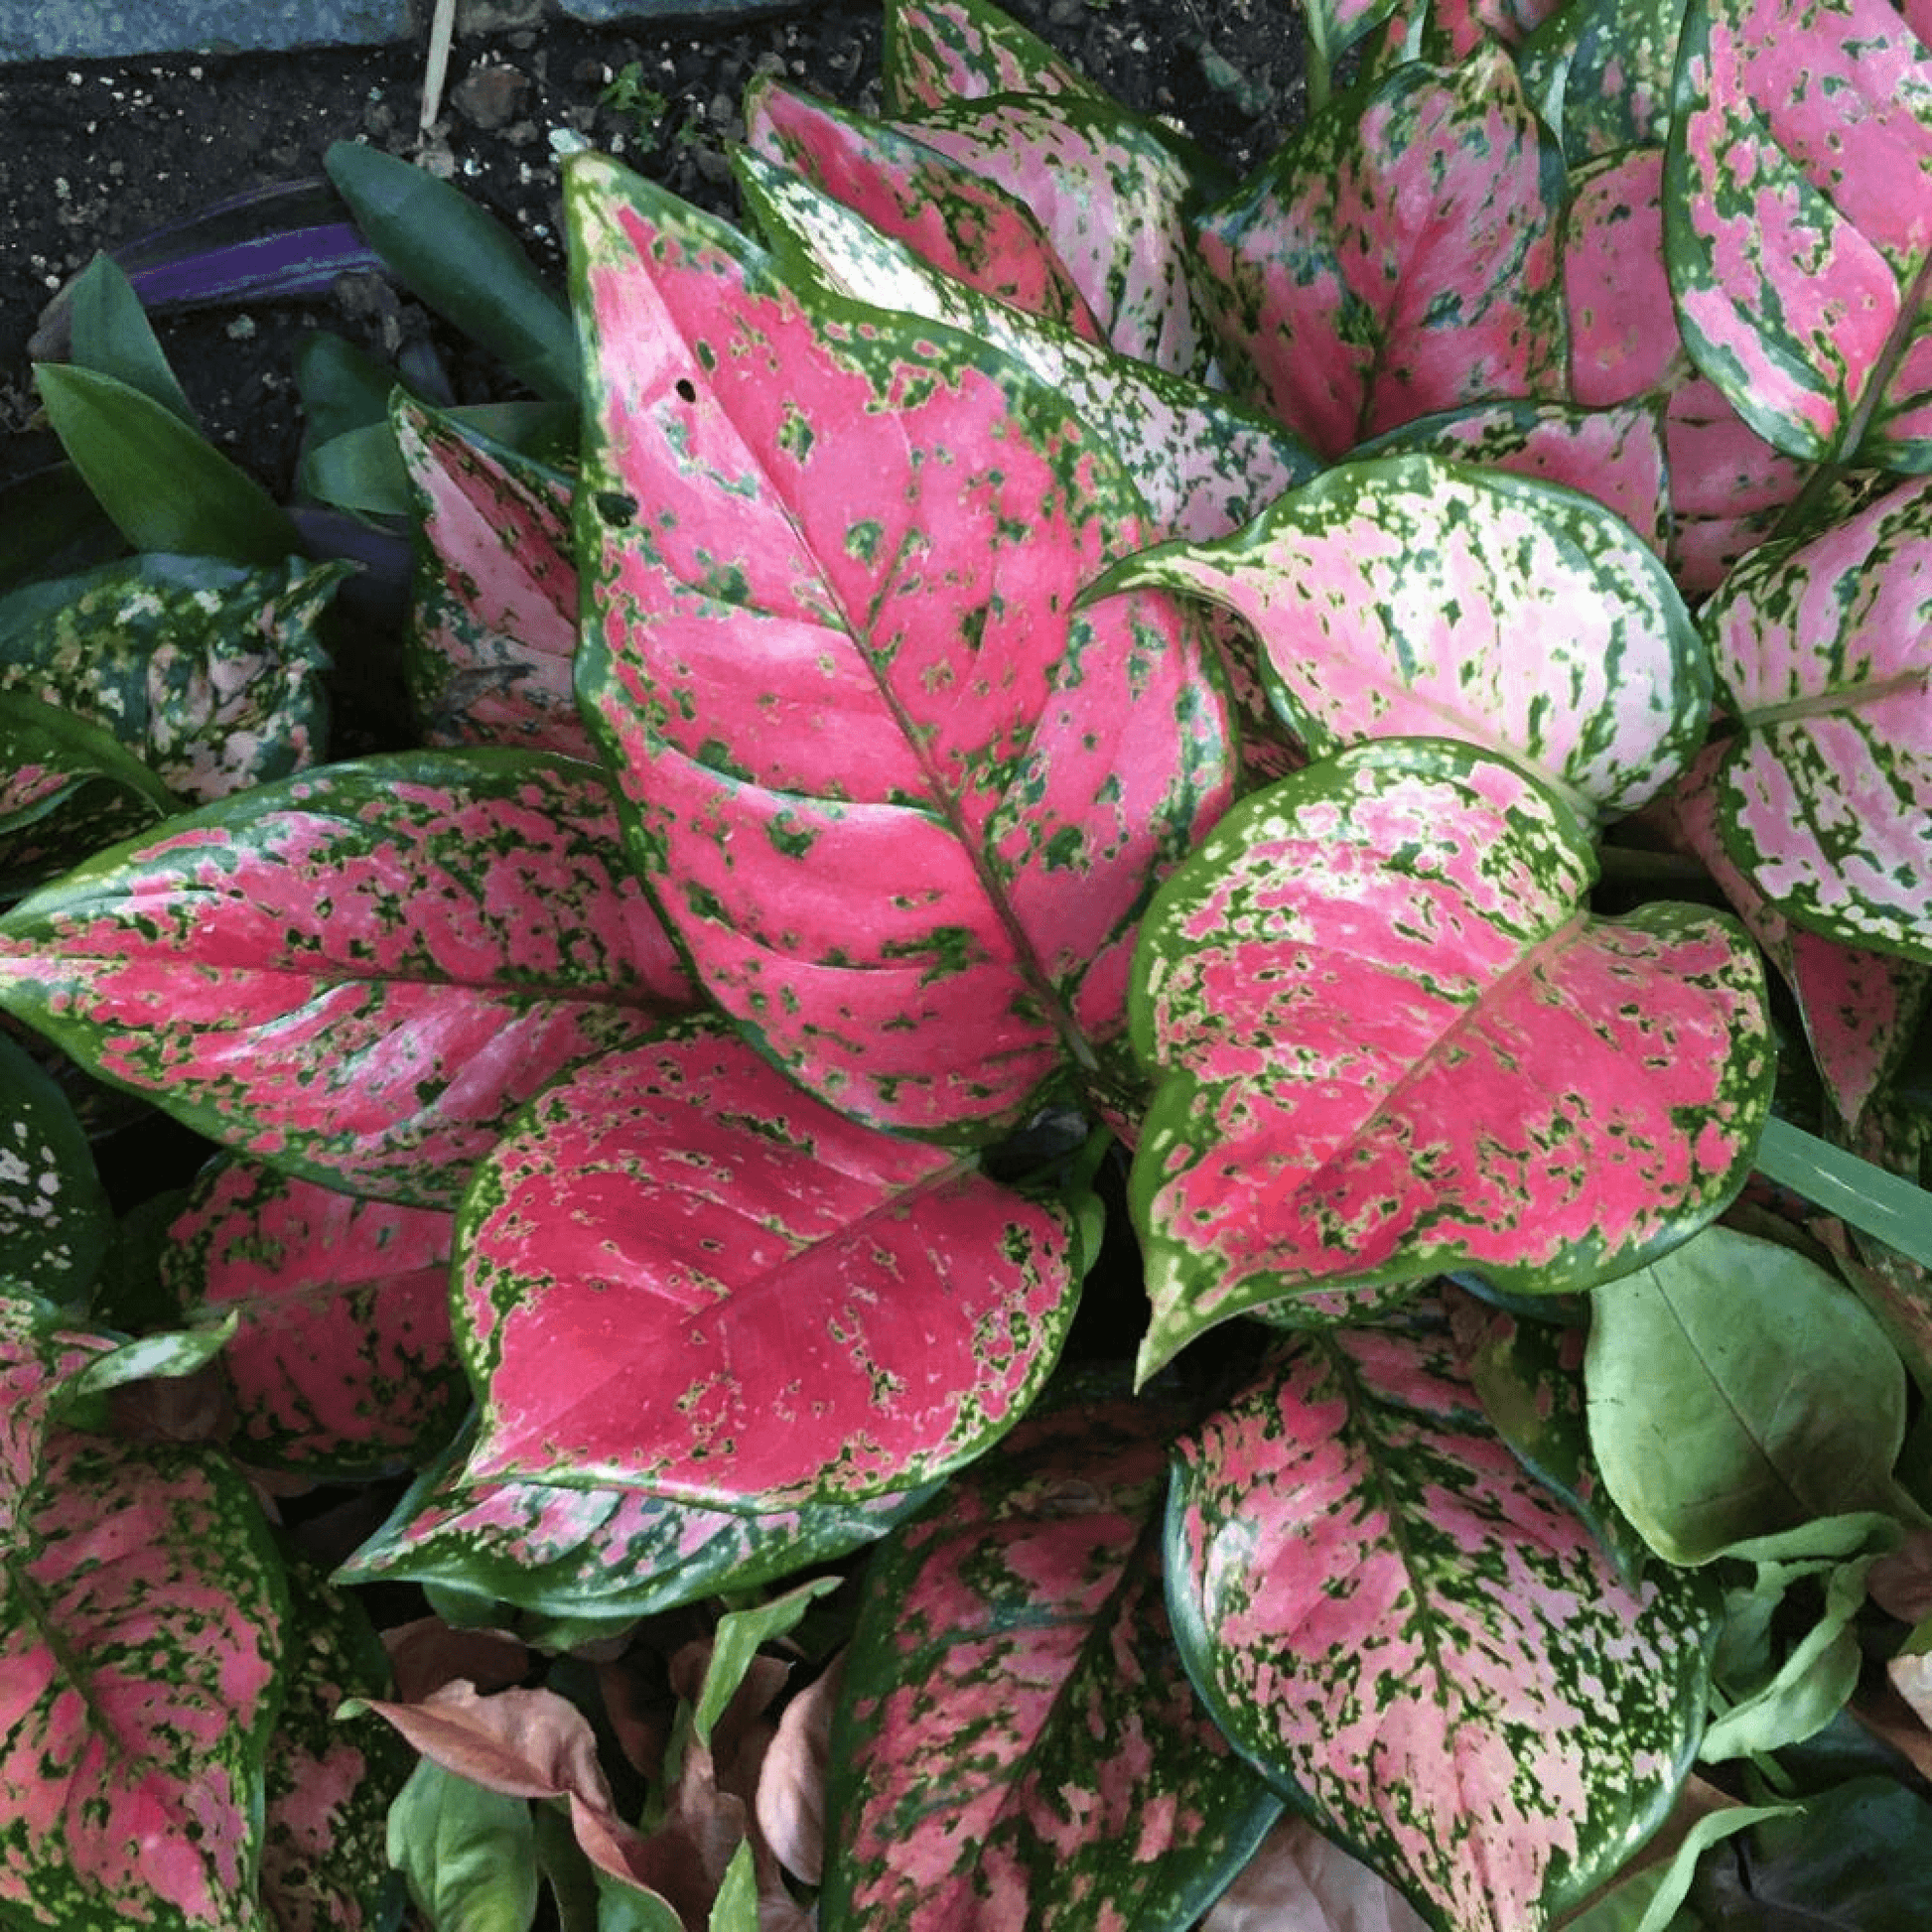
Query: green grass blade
[[1879, 1203]]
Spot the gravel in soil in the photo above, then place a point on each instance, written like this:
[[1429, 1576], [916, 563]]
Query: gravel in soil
[[95, 154]]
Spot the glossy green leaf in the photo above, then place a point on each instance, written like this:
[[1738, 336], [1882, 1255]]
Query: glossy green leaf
[[468, 1855], [1015, 1743], [109, 332], [1409, 596], [209, 672], [1866, 1196], [363, 471], [1412, 1637], [463, 262], [881, 1315], [164, 487], [1389, 1041], [55, 1220], [735, 1642], [1735, 1389], [359, 973]]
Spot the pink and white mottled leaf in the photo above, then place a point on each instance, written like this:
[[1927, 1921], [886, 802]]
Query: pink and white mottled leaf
[[942, 50], [1614, 454], [492, 624], [1727, 486], [1398, 257], [1859, 1007], [1600, 73], [56, 1222], [1798, 222], [949, 213], [1414, 1637], [140, 1672], [1015, 1742], [1390, 1041], [1822, 652], [209, 672], [343, 1363], [1203, 463], [680, 1273], [358, 974], [575, 1552], [41, 1355], [904, 801], [1409, 597]]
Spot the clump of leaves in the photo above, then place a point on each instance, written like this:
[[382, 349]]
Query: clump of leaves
[[1335, 686]]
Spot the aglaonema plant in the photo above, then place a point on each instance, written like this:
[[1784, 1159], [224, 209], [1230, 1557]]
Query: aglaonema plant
[[1314, 698]]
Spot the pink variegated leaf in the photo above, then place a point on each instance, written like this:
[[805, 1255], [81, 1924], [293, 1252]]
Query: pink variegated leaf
[[1204, 465], [1824, 655], [1615, 453], [1112, 191], [951, 215], [1015, 1742], [680, 1273], [209, 672], [1409, 596], [493, 628], [1798, 222], [1390, 1041], [606, 1552], [1398, 257], [1417, 1639], [1599, 73], [141, 1619], [907, 802], [1859, 1007], [324, 1860], [40, 1355], [343, 1363], [941, 51], [359, 974], [1727, 486]]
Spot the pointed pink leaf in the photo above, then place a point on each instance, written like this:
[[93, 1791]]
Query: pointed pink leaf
[[140, 1655], [1398, 257], [681, 1273], [1859, 1008], [905, 802], [343, 1362], [1410, 596], [1390, 1042], [790, 1796], [1824, 797], [1798, 222], [1017, 1745], [359, 974], [942, 50], [494, 619], [530, 1743], [950, 215], [1391, 1618]]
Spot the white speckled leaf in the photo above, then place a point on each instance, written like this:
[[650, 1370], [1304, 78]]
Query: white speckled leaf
[[55, 1218]]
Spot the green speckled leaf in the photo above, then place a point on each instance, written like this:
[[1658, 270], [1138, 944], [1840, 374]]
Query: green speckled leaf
[[209, 672], [54, 1219], [1416, 1639], [1016, 1744], [140, 1672], [359, 973], [1389, 1041], [1409, 595], [942, 50], [343, 1364], [679, 1272], [1600, 71]]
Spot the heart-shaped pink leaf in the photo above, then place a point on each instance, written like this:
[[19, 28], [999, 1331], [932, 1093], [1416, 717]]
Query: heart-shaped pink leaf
[[140, 1655], [1202, 463], [680, 1273], [1798, 222], [494, 619], [1824, 795], [905, 802], [1390, 1041], [358, 973], [1016, 1744], [1398, 257], [1395, 1621], [343, 1364], [1408, 596], [941, 51]]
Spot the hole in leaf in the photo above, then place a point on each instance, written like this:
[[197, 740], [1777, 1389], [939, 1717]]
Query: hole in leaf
[[687, 390]]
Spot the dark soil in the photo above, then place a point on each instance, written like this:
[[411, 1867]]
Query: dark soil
[[95, 154]]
